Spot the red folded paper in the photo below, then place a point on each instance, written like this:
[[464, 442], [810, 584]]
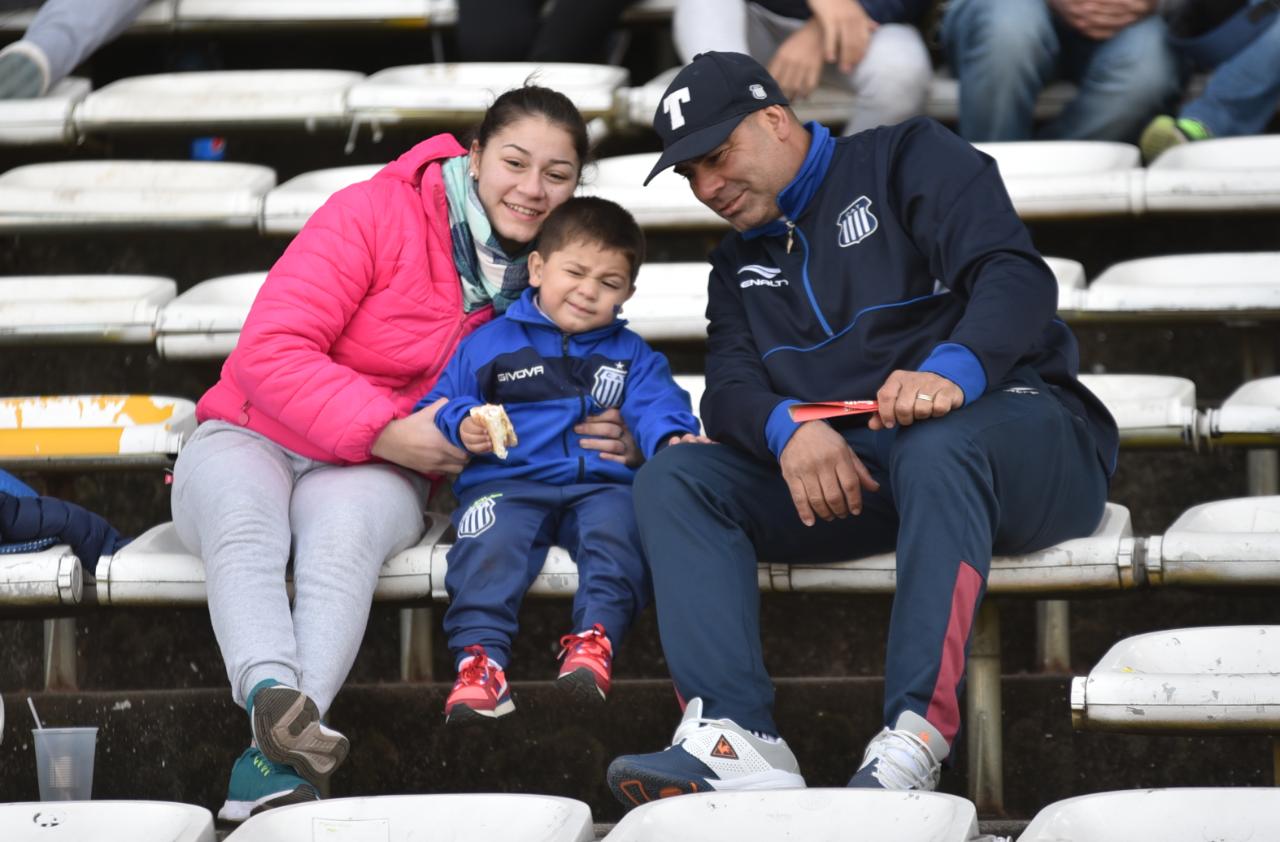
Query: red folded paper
[[801, 412]]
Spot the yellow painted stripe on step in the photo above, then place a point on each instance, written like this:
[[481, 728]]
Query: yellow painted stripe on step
[[87, 441]]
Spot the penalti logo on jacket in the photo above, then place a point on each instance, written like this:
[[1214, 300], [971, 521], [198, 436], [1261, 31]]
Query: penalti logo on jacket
[[765, 276]]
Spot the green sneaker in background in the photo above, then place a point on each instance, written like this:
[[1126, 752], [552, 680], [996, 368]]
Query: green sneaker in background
[[1165, 132], [257, 784]]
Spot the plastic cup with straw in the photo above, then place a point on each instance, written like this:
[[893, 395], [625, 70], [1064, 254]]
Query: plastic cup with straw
[[64, 760]]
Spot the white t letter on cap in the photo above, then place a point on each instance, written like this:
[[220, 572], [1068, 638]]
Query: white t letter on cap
[[671, 105]]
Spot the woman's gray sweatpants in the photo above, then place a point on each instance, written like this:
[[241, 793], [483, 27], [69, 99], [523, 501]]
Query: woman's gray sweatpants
[[239, 501]]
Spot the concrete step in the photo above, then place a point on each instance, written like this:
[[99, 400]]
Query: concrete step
[[179, 744]]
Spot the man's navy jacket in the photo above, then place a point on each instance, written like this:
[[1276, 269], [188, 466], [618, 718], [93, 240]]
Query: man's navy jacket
[[898, 249], [548, 381]]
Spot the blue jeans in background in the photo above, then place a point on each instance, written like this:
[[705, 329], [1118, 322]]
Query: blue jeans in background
[[1004, 52], [1244, 90]]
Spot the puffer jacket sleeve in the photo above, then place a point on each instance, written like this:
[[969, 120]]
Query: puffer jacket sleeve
[[282, 361], [459, 384]]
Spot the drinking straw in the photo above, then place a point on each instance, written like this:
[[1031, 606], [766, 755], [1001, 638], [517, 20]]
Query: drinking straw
[[35, 715]]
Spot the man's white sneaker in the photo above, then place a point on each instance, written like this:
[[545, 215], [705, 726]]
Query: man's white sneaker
[[907, 756], [705, 755]]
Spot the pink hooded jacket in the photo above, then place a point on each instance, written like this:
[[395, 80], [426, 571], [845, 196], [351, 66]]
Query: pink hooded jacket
[[356, 320]]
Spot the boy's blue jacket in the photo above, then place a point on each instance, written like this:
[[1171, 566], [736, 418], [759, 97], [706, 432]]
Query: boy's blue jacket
[[898, 248], [548, 381]]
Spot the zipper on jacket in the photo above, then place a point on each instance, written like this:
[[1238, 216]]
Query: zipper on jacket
[[808, 287], [582, 411], [791, 230], [564, 352], [244, 413]]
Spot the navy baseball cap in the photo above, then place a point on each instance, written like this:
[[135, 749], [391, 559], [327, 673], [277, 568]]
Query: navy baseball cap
[[706, 101]]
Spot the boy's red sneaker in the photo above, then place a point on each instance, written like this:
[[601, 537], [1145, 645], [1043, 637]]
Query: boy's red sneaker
[[588, 664], [481, 691]]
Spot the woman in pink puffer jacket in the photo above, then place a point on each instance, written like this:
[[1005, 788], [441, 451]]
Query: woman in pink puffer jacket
[[308, 438]]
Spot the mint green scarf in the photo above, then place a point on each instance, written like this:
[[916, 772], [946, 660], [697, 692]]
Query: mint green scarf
[[488, 273]]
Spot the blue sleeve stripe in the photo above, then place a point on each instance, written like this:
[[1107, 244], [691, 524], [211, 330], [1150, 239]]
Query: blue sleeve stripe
[[779, 429], [959, 365]]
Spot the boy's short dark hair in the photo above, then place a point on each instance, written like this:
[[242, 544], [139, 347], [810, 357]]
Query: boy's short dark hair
[[593, 220]]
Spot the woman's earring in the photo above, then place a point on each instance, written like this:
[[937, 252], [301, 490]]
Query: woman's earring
[[474, 177]]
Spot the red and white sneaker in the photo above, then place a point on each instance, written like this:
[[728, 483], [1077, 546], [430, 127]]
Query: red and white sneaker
[[481, 691], [588, 664]]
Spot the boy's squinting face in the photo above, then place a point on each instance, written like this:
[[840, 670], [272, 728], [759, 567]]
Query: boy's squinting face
[[581, 286]]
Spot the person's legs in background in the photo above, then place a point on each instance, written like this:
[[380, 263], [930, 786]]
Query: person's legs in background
[[1003, 52], [699, 26], [1124, 82]]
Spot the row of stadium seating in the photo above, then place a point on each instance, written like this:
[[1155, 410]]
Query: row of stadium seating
[[815, 815], [438, 93], [671, 299], [1045, 180], [208, 15]]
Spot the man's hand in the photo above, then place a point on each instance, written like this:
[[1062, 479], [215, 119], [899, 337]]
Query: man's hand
[[910, 396], [608, 433], [475, 437], [1101, 19], [846, 31], [417, 444], [797, 64], [826, 478]]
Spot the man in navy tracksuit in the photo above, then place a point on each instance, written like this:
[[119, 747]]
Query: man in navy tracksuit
[[887, 265], [559, 355]]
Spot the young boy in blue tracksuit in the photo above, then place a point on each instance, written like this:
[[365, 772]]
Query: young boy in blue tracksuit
[[559, 354]]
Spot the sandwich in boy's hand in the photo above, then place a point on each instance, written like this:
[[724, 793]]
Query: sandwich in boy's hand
[[496, 423]]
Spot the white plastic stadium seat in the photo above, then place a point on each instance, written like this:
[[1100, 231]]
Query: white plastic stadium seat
[[670, 301], [99, 430], [223, 99], [81, 308], [1233, 173], [1220, 679], [666, 203], [287, 207], [139, 194], [106, 821], [1226, 814], [1251, 415], [205, 321], [1071, 282], [1242, 284], [409, 818], [1149, 409], [45, 119], [1103, 561], [157, 569], [452, 92], [200, 13], [813, 815], [1057, 178], [1225, 542], [52, 576]]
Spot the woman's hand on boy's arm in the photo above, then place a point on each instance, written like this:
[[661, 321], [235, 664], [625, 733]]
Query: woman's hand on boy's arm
[[475, 437], [416, 443]]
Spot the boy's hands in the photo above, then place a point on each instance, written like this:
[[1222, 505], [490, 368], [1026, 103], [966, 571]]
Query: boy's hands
[[475, 437]]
